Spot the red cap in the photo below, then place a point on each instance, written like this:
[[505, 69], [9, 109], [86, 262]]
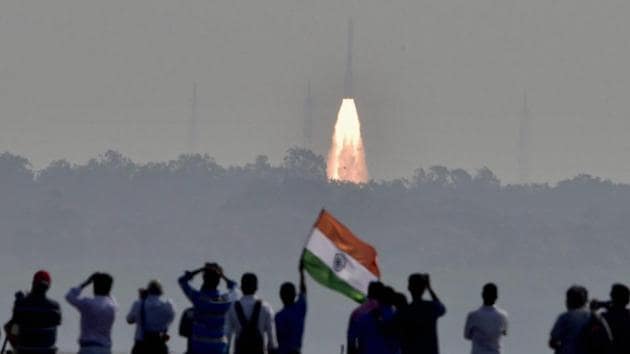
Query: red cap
[[42, 276]]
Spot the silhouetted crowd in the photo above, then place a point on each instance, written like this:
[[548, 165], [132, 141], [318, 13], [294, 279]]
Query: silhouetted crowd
[[237, 321]]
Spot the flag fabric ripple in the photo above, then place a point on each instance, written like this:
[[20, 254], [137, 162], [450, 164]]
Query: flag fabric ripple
[[339, 260]]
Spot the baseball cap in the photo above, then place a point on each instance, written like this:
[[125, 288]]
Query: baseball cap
[[42, 277]]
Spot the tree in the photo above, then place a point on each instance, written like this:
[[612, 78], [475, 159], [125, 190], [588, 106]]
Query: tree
[[15, 169], [304, 164]]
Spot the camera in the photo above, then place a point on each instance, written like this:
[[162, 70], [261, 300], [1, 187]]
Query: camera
[[596, 304]]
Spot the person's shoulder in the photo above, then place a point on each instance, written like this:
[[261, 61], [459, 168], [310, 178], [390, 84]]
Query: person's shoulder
[[364, 316], [357, 310], [586, 315], [501, 312], [281, 313], [53, 304], [227, 297], [111, 301], [577, 314], [434, 304], [474, 313], [431, 303], [266, 306], [502, 315], [564, 316]]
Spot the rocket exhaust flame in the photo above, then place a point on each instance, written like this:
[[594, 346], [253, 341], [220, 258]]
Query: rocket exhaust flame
[[346, 159]]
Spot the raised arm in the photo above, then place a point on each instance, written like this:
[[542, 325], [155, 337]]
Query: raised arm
[[233, 293], [440, 308], [132, 316], [74, 294], [184, 283], [302, 281]]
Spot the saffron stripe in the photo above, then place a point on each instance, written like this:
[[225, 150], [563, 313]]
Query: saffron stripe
[[347, 242]]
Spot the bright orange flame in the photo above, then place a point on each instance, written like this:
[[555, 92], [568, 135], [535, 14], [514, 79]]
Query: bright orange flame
[[346, 159]]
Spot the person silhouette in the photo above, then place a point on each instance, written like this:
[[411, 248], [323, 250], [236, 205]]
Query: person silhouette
[[250, 321], [209, 309], [152, 316], [418, 321], [377, 331], [33, 325], [617, 316], [290, 320], [97, 314], [565, 337], [374, 293], [486, 325]]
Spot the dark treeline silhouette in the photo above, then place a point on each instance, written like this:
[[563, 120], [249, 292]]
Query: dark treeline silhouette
[[111, 198], [155, 218]]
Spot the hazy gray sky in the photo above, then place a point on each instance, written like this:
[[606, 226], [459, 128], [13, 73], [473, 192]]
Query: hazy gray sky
[[437, 82]]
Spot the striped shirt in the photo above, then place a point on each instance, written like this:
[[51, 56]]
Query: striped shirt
[[210, 306], [36, 318]]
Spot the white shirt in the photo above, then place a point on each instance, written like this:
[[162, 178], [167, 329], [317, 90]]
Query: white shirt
[[265, 320], [484, 328], [97, 317]]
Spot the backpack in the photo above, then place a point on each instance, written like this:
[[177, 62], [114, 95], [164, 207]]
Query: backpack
[[596, 337], [186, 322], [250, 340]]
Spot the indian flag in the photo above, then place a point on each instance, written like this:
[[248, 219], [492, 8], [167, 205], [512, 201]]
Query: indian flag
[[339, 260]]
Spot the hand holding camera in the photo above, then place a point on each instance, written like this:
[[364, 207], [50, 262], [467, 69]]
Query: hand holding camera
[[598, 305]]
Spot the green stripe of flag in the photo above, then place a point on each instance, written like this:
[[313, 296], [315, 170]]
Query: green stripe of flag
[[322, 273]]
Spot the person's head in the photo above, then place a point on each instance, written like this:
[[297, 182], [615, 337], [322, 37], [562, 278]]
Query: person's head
[[287, 293], [41, 282], [577, 296], [155, 288], [417, 285], [102, 284], [212, 274], [620, 295], [249, 283], [375, 289], [490, 294]]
